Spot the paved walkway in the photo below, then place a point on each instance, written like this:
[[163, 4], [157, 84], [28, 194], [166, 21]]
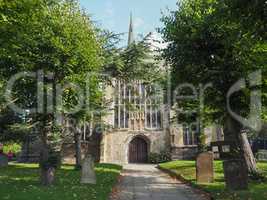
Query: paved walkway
[[145, 182]]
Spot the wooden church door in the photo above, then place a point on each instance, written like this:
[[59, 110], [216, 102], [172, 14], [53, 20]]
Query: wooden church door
[[138, 152]]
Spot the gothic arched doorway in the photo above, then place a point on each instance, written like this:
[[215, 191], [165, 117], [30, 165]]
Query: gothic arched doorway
[[138, 150]]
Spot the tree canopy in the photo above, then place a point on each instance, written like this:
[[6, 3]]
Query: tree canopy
[[52, 36], [59, 41], [211, 42], [220, 44], [135, 62]]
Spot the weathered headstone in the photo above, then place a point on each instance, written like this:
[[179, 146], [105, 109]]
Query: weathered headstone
[[50, 175], [216, 152], [262, 155], [226, 149], [88, 173], [204, 167], [215, 149], [235, 174], [3, 160]]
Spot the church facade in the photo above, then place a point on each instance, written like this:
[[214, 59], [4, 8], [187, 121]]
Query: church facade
[[146, 129], [137, 133]]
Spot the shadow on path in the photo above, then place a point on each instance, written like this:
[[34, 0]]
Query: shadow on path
[[145, 182]]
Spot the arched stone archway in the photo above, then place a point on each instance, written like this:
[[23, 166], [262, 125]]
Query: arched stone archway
[[138, 150]]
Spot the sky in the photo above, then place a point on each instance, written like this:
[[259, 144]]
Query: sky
[[114, 14]]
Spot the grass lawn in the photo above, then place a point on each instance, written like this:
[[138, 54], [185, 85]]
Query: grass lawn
[[20, 182], [257, 190]]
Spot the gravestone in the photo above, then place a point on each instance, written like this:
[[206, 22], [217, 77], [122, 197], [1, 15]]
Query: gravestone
[[51, 175], [216, 152], [3, 160], [47, 173], [88, 173], [204, 167], [235, 174], [262, 155], [226, 149]]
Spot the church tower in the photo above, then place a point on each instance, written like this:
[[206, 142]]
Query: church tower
[[131, 34]]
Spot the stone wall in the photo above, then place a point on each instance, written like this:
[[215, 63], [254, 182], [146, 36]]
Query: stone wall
[[115, 145], [181, 151], [184, 153], [31, 152], [68, 151]]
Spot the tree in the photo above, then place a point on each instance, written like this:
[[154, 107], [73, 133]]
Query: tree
[[12, 127], [209, 42], [135, 62], [53, 37]]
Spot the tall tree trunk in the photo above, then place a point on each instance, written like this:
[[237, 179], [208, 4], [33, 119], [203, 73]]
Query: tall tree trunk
[[44, 157], [231, 130], [78, 149], [234, 131], [47, 171], [247, 153]]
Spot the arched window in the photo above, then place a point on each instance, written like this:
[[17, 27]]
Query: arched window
[[121, 119], [136, 106], [189, 136]]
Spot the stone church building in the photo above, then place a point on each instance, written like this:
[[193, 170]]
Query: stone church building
[[136, 133], [147, 129]]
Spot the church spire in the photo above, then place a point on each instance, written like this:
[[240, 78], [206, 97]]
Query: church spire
[[131, 35]]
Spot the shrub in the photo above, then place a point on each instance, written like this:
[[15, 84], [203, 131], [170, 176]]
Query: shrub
[[161, 157], [202, 146], [13, 147]]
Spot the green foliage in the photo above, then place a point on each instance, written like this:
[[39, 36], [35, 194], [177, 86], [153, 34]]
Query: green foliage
[[12, 147], [161, 157], [12, 127], [202, 146], [111, 53], [210, 42], [136, 62], [20, 182], [55, 37], [260, 176]]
